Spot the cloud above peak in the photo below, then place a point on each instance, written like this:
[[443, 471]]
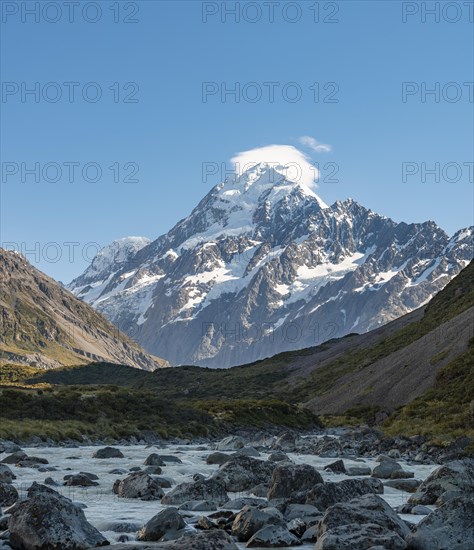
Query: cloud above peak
[[295, 165], [315, 145]]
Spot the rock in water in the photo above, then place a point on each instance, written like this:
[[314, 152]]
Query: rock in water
[[204, 540], [207, 489], [6, 475], [8, 494], [328, 494], [138, 485], [360, 537], [231, 443], [241, 473], [365, 509], [454, 476], [47, 520], [250, 520], [449, 527], [293, 478], [273, 536], [166, 522], [108, 452]]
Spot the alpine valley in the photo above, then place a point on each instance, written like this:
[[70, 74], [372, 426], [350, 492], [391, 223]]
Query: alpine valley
[[262, 265]]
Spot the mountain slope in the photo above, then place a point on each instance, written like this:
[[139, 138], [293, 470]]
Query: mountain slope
[[44, 325], [262, 266]]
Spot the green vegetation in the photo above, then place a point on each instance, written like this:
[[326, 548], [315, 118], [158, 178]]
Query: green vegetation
[[446, 410]]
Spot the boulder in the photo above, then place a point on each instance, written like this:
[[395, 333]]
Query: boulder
[[217, 458], [278, 456], [248, 451], [285, 442], [386, 469], [295, 511], [47, 520], [454, 476], [165, 525], [361, 537], [154, 460], [292, 478], [358, 471], [365, 509], [240, 473], [79, 480], [207, 489], [449, 527], [231, 443], [199, 506], [6, 475], [8, 494], [406, 485], [138, 485], [337, 467], [14, 458], [239, 503], [250, 520], [273, 536], [108, 452], [327, 494]]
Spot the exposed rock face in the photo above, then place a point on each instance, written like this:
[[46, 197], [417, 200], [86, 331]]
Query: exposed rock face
[[207, 489], [138, 485], [47, 520], [454, 476], [39, 314], [288, 479], [242, 472], [450, 526], [265, 266], [168, 523], [328, 494]]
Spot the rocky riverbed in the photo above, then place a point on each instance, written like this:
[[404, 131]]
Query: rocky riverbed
[[258, 492]]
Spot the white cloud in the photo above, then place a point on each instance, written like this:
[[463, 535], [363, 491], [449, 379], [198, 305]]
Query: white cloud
[[315, 145], [285, 159]]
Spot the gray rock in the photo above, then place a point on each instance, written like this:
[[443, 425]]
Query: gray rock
[[250, 520], [337, 467], [217, 458], [208, 489], [6, 475], [241, 473], [365, 509], [285, 442], [154, 460], [108, 452], [138, 485], [260, 490], [292, 478], [328, 494], [153, 470], [231, 443], [248, 451], [419, 510], [454, 476], [8, 494], [171, 459], [360, 537], [407, 485], [273, 536], [165, 524], [79, 480], [449, 527], [278, 456], [47, 520], [295, 511], [310, 535], [14, 458], [385, 469], [358, 471]]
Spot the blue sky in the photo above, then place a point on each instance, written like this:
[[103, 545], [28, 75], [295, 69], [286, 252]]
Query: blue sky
[[360, 61]]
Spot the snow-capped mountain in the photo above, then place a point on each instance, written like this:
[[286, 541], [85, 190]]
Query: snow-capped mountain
[[263, 265]]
